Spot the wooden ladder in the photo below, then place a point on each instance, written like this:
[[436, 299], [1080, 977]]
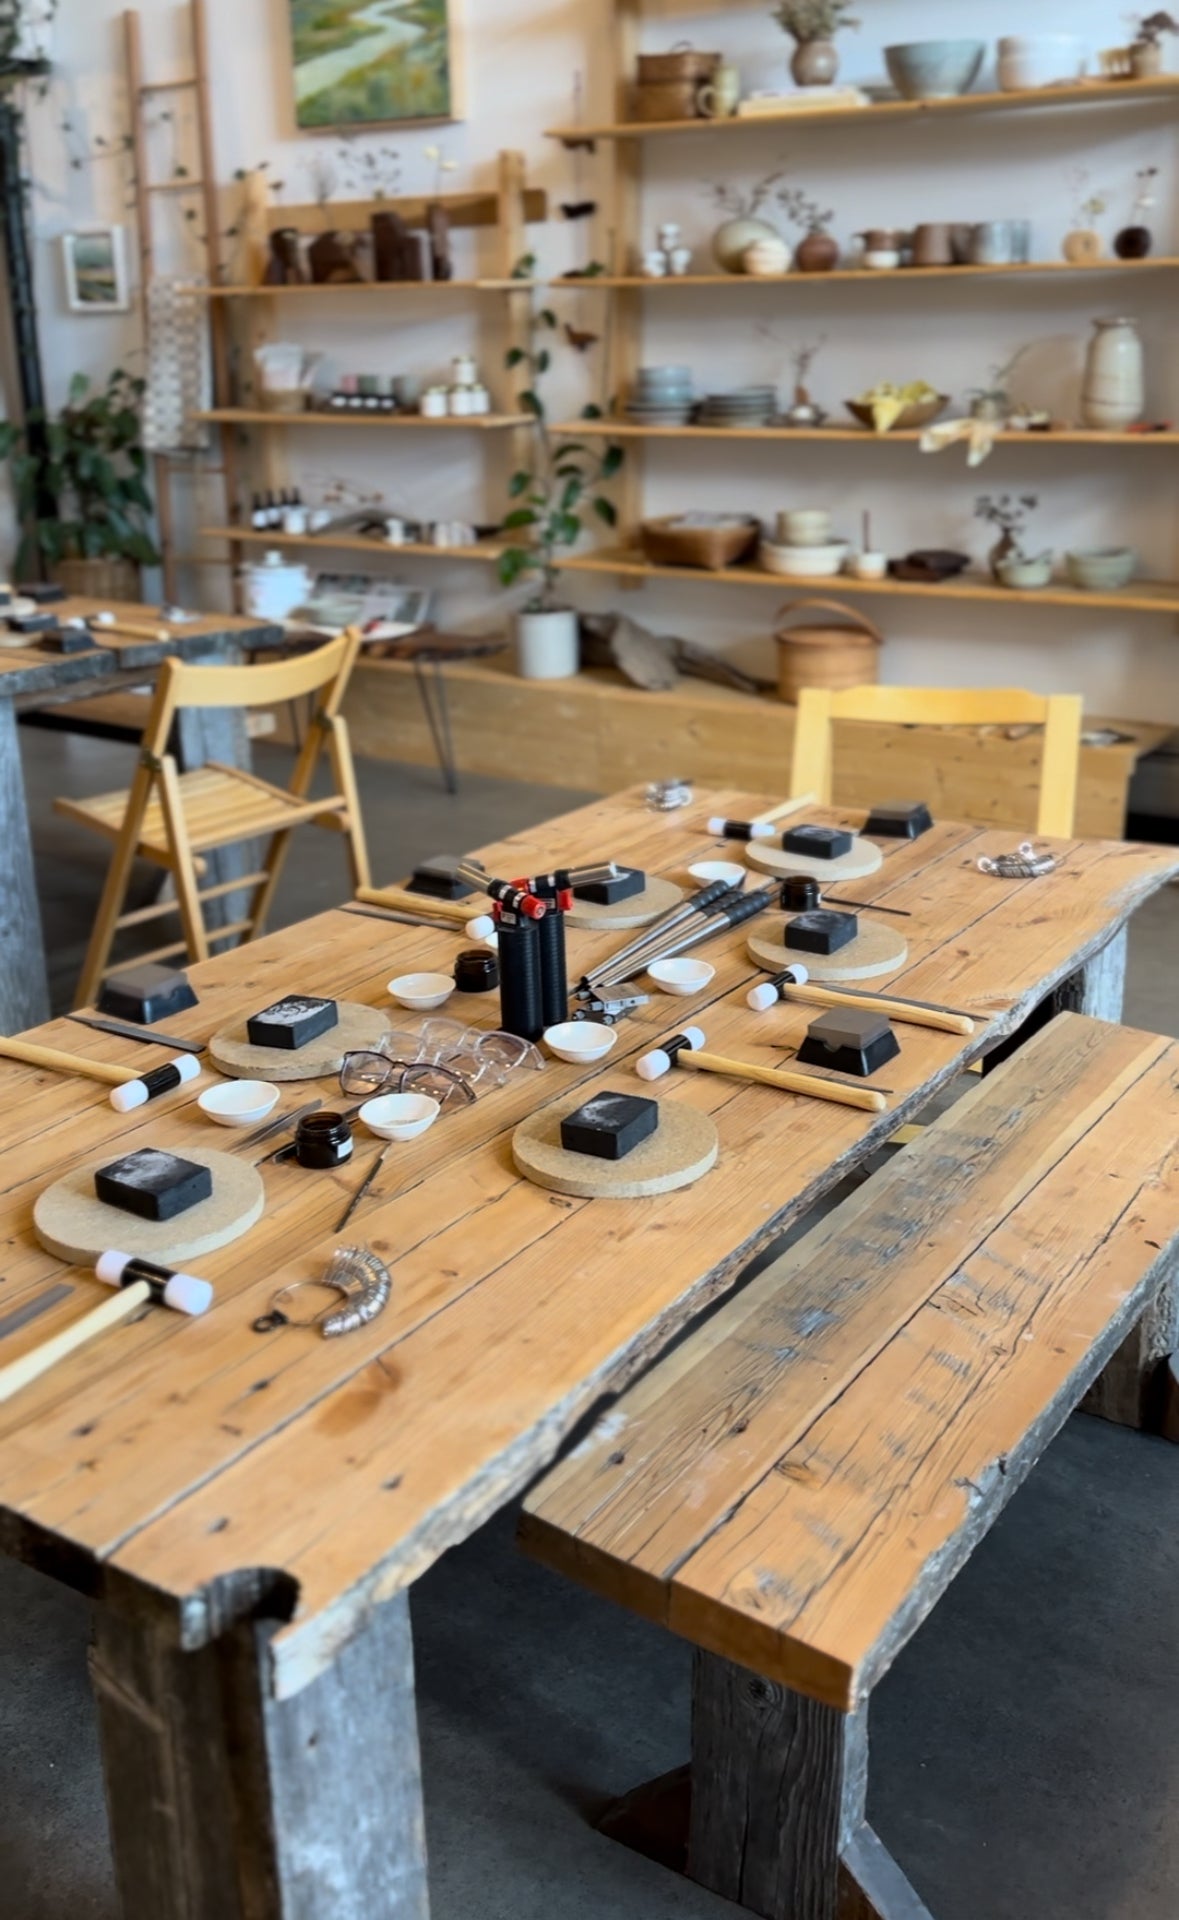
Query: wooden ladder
[[148, 194]]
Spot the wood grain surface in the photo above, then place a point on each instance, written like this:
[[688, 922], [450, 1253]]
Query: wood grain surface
[[206, 1472], [795, 1487]]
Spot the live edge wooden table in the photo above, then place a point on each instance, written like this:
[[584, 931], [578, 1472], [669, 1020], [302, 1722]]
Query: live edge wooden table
[[33, 678], [249, 1511]]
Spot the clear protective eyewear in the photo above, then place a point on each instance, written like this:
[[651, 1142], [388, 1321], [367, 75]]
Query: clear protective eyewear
[[365, 1075], [445, 1060]]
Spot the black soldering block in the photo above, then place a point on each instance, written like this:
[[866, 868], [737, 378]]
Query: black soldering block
[[439, 878], [45, 593], [607, 893], [821, 932], [610, 1126], [898, 820], [146, 993], [31, 623], [291, 1023], [851, 1041], [153, 1184], [818, 843], [67, 640]]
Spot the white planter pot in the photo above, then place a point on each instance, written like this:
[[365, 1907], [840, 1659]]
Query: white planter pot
[[1113, 395], [1033, 60], [546, 645]]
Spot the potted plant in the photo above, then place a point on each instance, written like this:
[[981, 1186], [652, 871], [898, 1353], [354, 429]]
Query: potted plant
[[1082, 244], [1010, 565], [812, 25], [816, 252], [1146, 52], [555, 494], [90, 461]]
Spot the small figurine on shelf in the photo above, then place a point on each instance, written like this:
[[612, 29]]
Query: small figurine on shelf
[[1009, 563], [1146, 52], [1082, 245], [812, 25], [1135, 241]]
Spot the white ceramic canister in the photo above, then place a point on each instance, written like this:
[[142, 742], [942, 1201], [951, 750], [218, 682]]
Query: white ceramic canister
[[459, 401], [547, 645], [273, 589], [1030, 60], [464, 371], [433, 403], [1113, 393]]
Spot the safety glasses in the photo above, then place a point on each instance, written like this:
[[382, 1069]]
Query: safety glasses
[[446, 1060]]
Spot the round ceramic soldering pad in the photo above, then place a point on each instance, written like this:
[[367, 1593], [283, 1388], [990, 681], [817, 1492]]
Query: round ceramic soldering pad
[[358, 1027], [681, 1152], [658, 896], [768, 856], [73, 1223], [877, 948]]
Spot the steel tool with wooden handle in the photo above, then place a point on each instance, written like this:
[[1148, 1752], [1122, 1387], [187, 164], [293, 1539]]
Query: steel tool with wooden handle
[[794, 983], [686, 1050], [139, 1282], [453, 916], [31, 1055]]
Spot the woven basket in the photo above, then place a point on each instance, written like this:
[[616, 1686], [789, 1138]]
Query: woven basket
[[667, 100], [101, 580], [682, 63], [283, 400], [825, 656], [670, 544]]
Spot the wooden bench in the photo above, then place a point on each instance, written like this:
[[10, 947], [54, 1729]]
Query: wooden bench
[[794, 1488]]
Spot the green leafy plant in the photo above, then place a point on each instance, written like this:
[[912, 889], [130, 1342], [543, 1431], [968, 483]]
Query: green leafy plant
[[560, 489], [1152, 26], [94, 467], [807, 20], [23, 23]]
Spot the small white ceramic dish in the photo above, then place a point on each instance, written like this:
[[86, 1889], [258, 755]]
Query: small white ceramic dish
[[580, 1041], [707, 872], [238, 1103], [399, 1116], [421, 992], [682, 977], [804, 563]]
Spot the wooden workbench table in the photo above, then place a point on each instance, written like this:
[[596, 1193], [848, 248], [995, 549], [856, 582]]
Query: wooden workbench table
[[249, 1511], [33, 678]]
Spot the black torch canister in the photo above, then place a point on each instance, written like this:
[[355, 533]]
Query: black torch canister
[[520, 996]]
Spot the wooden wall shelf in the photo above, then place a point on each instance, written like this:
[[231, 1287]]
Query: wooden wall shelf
[[261, 417], [1064, 437], [350, 287], [1093, 93], [1140, 596], [901, 276], [485, 550]]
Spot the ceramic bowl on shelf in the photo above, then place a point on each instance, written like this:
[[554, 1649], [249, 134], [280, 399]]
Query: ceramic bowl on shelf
[[399, 1116], [707, 872], [921, 414], [804, 527], [1031, 60], [681, 977], [1101, 569], [239, 1103], [804, 563], [421, 992], [580, 1041], [1023, 573], [934, 69]]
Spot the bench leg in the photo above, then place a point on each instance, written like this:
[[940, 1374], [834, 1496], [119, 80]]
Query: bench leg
[[225, 1804], [778, 1787]]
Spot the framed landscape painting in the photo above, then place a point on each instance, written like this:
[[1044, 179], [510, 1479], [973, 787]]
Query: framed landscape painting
[[372, 63]]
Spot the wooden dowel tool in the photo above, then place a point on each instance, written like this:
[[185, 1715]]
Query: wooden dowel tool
[[795, 984], [139, 1282], [687, 1050], [787, 807], [420, 903], [31, 1055]]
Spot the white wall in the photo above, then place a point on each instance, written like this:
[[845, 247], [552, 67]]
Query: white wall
[[522, 58]]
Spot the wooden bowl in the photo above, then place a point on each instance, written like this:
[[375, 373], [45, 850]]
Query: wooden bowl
[[923, 414], [669, 543]]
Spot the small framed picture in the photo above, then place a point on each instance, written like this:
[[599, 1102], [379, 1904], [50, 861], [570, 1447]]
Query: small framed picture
[[95, 261]]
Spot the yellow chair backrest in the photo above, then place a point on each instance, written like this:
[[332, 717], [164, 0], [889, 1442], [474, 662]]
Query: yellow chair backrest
[[1059, 714]]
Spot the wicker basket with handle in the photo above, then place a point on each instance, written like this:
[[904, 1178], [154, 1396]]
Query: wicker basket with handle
[[825, 655], [682, 63]]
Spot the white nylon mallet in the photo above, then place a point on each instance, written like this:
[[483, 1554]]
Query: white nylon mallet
[[139, 1282], [687, 1050]]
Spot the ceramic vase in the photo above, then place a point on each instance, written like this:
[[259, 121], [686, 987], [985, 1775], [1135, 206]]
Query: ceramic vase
[[731, 242], [547, 644], [1146, 59], [815, 63], [1113, 392], [818, 253], [1082, 247]]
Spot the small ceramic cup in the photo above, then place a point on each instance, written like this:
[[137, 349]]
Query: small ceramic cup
[[396, 533], [805, 527], [406, 389], [294, 520], [680, 259], [434, 403], [869, 566], [655, 264]]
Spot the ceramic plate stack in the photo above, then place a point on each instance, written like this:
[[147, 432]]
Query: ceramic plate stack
[[743, 407], [661, 397]]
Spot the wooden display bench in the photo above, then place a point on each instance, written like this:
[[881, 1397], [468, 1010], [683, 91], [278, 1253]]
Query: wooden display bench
[[597, 733]]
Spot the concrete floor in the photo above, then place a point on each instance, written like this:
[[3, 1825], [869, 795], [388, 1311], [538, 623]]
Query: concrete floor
[[1023, 1759]]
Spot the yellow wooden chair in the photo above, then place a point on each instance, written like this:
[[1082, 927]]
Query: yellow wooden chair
[[1059, 714], [173, 818]]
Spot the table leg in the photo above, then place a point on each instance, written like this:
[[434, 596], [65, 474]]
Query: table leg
[[437, 712], [24, 982], [219, 733], [226, 1804], [1100, 986]]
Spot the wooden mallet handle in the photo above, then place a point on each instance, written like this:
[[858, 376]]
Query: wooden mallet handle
[[865, 1098], [421, 903], [21, 1373], [815, 996], [787, 807], [31, 1055]]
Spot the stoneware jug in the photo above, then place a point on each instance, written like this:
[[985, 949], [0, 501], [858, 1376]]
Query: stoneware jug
[[1113, 393], [717, 99]]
